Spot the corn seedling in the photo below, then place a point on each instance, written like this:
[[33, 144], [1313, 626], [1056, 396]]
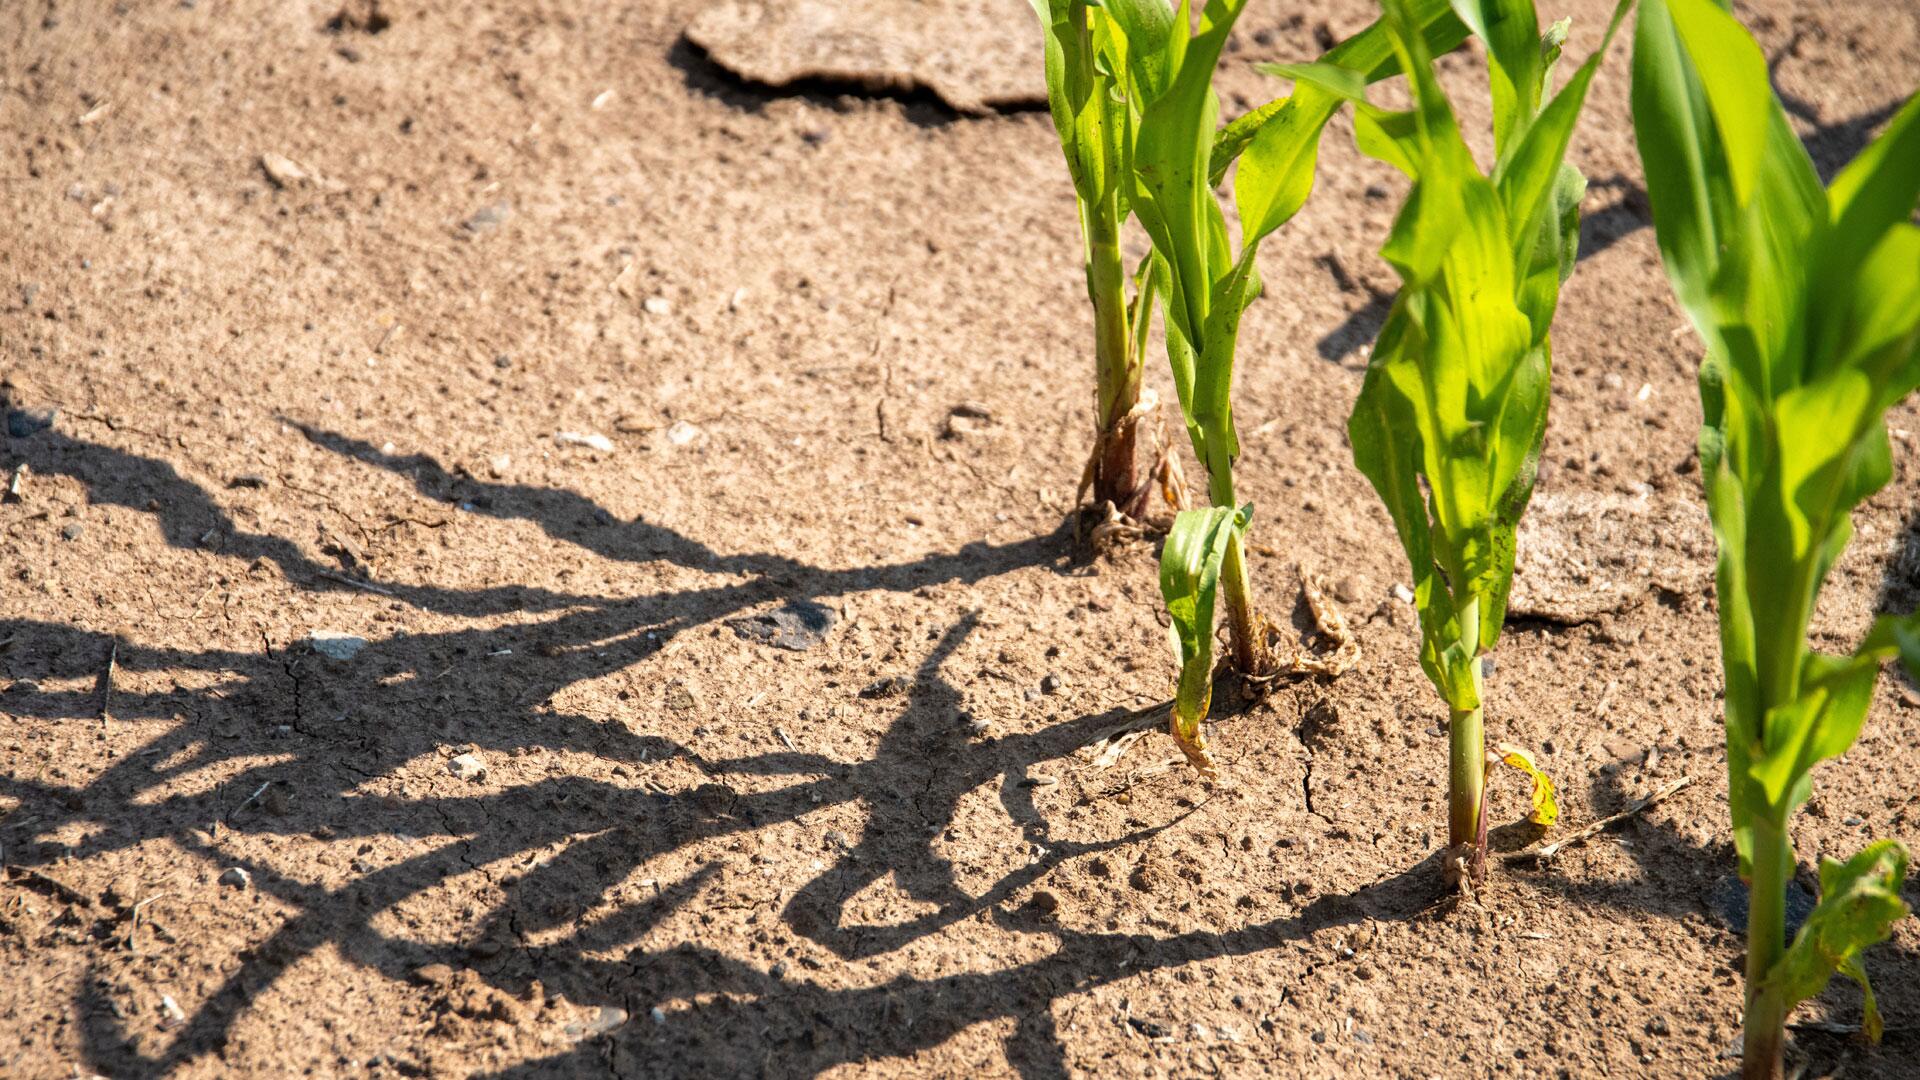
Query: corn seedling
[[1179, 155], [1453, 408], [1808, 302], [1087, 62]]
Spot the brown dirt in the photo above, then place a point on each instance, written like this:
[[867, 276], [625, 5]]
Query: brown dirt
[[327, 399]]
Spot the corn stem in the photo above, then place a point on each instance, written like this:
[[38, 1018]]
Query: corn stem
[[1766, 1012], [1244, 628], [1117, 366], [1467, 764]]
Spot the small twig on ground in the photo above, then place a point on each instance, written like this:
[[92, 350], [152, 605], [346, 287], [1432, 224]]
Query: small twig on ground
[[133, 923], [342, 579], [106, 683], [1115, 746], [1829, 1027], [1588, 832], [1118, 738], [251, 799]]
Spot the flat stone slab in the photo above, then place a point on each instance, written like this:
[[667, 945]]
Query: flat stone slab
[[978, 56], [1583, 555], [795, 626]]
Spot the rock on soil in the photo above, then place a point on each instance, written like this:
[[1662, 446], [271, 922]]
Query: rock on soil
[[975, 55], [336, 644], [795, 626], [1584, 555]]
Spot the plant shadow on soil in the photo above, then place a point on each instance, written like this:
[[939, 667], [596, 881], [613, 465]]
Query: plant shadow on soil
[[1682, 879], [325, 728], [345, 724]]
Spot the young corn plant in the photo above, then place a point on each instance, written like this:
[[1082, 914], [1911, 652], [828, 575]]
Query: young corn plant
[[1086, 62], [1453, 407], [1808, 302], [1179, 155]]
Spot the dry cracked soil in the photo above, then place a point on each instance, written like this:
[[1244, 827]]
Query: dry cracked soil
[[540, 552]]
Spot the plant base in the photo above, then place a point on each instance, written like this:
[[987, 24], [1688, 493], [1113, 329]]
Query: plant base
[[1111, 473]]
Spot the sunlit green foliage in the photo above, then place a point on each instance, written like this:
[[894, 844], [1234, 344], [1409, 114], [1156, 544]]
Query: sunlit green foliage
[[1808, 302], [1450, 418]]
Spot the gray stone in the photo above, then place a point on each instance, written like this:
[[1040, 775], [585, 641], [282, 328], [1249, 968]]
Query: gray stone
[[795, 626], [336, 644]]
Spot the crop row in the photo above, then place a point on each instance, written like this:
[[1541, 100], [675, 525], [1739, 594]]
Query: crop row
[[1806, 297]]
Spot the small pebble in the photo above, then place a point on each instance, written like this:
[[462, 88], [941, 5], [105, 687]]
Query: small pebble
[[891, 686], [1045, 902], [467, 767], [680, 699], [487, 217], [283, 171], [606, 1019], [237, 878], [1051, 684], [658, 305], [72, 531], [433, 975], [592, 440], [682, 433], [336, 644], [659, 1015]]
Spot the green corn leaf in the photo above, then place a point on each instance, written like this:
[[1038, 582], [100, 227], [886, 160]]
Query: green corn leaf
[[1541, 192], [1821, 723], [1386, 449], [1146, 25], [1172, 144], [1808, 305], [1872, 202], [1859, 903], [1189, 582], [1515, 60], [1277, 167], [1735, 86], [1077, 96], [1368, 53], [1451, 416]]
